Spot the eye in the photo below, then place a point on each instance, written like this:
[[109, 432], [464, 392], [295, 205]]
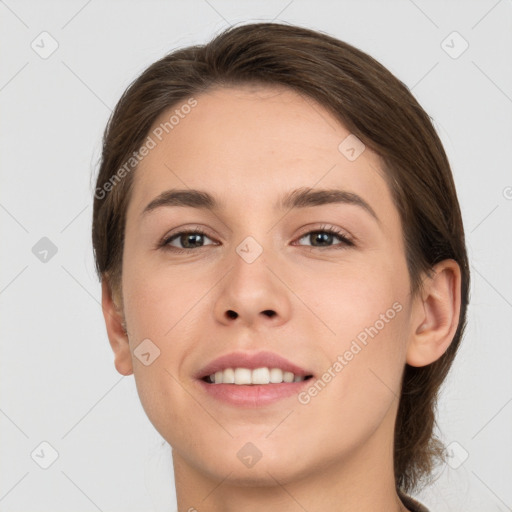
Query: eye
[[321, 238], [186, 240], [324, 236]]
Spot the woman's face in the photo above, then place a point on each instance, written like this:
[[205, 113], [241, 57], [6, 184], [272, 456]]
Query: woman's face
[[265, 278]]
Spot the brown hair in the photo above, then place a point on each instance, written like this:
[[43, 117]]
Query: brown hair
[[376, 107]]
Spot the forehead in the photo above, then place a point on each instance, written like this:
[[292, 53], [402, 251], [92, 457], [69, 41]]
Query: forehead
[[252, 143]]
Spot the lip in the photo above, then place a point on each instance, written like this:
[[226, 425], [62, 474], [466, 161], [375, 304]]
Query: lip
[[254, 395], [251, 361]]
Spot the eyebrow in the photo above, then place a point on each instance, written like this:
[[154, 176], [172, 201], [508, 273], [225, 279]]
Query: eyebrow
[[304, 197]]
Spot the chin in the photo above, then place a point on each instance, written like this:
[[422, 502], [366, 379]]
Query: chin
[[249, 466]]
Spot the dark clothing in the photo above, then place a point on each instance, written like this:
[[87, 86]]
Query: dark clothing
[[412, 504]]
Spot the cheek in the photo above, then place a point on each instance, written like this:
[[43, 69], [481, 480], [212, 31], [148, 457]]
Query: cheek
[[160, 301], [157, 313], [354, 298], [360, 386], [367, 311], [167, 308]]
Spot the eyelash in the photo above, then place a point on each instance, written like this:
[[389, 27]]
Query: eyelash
[[331, 230]]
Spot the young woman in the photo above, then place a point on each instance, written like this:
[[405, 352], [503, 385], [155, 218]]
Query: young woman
[[284, 271]]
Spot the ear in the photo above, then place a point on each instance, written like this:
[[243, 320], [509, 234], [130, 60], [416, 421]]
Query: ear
[[435, 314], [117, 335]]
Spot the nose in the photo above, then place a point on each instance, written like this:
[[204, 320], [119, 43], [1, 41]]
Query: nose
[[253, 294]]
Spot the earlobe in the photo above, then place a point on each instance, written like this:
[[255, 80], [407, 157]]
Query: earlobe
[[435, 315], [117, 336]]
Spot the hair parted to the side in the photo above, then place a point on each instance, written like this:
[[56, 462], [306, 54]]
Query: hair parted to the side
[[376, 107]]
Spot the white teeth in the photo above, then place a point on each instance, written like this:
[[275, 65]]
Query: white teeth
[[245, 376], [261, 376], [288, 376], [276, 375], [228, 376], [242, 376]]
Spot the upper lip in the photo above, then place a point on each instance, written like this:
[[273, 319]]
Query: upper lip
[[251, 361]]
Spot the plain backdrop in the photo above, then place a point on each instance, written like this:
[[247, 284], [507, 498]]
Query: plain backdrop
[[64, 66]]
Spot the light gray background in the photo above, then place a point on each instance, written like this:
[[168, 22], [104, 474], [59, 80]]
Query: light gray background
[[58, 382]]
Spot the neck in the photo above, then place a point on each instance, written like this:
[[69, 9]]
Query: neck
[[363, 481]]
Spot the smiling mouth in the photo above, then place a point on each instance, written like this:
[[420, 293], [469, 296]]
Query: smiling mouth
[[253, 377]]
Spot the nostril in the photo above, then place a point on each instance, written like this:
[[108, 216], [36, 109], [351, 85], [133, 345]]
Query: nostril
[[269, 312], [231, 314]]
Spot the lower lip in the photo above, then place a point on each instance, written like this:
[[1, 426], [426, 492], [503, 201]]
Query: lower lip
[[252, 395]]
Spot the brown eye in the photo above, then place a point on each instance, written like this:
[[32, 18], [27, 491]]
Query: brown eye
[[324, 238], [185, 241]]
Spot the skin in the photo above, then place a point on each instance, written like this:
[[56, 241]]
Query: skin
[[247, 146]]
